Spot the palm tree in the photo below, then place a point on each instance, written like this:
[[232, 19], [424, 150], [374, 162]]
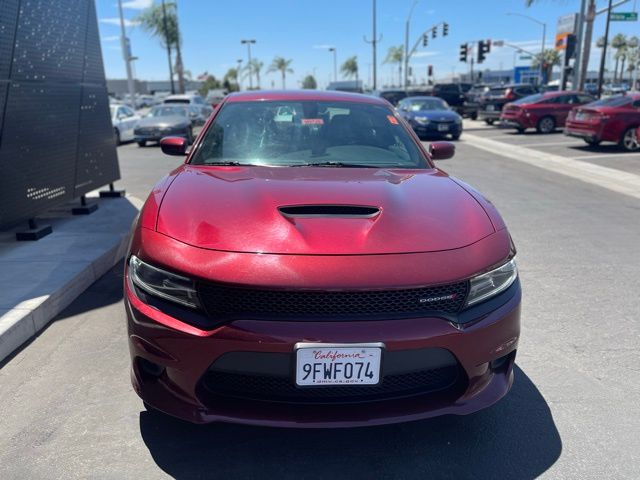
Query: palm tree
[[396, 55], [279, 64], [350, 67], [619, 42], [254, 68], [550, 58], [165, 27], [633, 56], [230, 80]]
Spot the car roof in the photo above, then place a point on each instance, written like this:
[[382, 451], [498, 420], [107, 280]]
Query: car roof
[[181, 96], [422, 97], [299, 95]]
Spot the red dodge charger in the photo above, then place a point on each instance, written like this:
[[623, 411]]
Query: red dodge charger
[[309, 265]]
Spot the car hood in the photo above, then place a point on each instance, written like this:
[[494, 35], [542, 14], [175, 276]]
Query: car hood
[[170, 121], [241, 209], [437, 115]]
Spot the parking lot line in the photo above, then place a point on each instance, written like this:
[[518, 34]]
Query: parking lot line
[[609, 178], [548, 144], [607, 155]]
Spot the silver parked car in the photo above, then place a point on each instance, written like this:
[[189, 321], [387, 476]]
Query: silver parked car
[[124, 121]]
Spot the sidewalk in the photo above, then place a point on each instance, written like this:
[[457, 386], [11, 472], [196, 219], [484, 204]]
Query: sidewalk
[[39, 279]]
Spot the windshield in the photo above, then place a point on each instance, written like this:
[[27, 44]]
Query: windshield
[[530, 99], [498, 91], [306, 133], [428, 104], [169, 110], [617, 101]]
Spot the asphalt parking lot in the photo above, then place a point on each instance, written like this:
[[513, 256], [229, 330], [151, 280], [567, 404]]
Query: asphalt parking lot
[[572, 412], [606, 154]]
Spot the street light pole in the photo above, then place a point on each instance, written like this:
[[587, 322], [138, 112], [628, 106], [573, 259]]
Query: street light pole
[[126, 53], [374, 41], [335, 63], [544, 38], [406, 44], [249, 64], [604, 51], [238, 73]]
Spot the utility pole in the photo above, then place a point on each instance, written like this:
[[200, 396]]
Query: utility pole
[[406, 44], [249, 64], [586, 47], [579, 41], [604, 51], [374, 41], [126, 53], [166, 38], [179, 64]]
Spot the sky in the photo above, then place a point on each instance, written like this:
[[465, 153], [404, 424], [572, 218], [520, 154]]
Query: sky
[[303, 30]]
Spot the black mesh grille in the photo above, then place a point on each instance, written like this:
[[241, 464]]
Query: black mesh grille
[[283, 389], [223, 301]]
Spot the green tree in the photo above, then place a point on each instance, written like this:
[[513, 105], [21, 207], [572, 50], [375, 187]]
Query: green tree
[[279, 64], [549, 59], [619, 43], [230, 80], [253, 68], [309, 82], [350, 67], [166, 29], [396, 55], [210, 83]]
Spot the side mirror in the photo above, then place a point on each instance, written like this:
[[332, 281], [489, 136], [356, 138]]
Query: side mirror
[[441, 150], [173, 145]]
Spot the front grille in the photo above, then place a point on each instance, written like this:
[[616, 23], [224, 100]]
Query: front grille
[[221, 301], [283, 389]]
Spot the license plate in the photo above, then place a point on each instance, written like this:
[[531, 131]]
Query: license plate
[[443, 128], [490, 108], [319, 364]]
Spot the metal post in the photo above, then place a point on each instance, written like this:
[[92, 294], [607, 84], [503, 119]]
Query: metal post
[[604, 51], [579, 42], [248, 42], [166, 37], [374, 41], [544, 37], [127, 57], [335, 63], [406, 44]]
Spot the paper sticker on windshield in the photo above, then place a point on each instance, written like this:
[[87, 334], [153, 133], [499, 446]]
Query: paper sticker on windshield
[[392, 120], [312, 121]]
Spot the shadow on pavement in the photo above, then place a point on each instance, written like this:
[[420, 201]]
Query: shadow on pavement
[[515, 439], [608, 148]]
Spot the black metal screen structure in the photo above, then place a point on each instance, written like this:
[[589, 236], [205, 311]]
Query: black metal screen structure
[[56, 138]]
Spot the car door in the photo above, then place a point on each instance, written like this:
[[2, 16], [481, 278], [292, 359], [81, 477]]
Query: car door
[[129, 121]]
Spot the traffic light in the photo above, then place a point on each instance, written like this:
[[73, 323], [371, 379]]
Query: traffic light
[[464, 51], [484, 47], [445, 29], [430, 71], [434, 32], [570, 50], [425, 40]]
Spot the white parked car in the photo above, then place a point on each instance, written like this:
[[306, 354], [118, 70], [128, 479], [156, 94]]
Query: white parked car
[[185, 98], [124, 120]]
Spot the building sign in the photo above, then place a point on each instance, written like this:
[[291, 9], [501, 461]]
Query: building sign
[[566, 26]]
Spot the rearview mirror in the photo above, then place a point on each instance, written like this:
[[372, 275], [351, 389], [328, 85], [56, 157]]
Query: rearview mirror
[[442, 150], [174, 145]]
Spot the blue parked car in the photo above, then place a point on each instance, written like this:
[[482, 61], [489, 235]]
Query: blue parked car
[[430, 117]]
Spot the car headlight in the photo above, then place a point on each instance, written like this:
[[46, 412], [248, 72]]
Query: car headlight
[[458, 120], [163, 284], [492, 283], [421, 120]]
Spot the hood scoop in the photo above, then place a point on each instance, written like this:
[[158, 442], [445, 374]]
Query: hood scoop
[[329, 211]]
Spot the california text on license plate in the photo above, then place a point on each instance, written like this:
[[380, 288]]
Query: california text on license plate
[[338, 364], [443, 128]]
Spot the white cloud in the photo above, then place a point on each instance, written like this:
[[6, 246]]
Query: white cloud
[[111, 38], [424, 54], [137, 4], [116, 21]]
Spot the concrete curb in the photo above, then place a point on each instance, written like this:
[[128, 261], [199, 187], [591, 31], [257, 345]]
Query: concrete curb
[[40, 279]]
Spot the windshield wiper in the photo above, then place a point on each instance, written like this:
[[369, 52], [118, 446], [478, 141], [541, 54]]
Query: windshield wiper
[[232, 164], [334, 164]]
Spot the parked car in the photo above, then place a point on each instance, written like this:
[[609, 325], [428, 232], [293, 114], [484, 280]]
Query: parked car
[[454, 94], [163, 121], [497, 97], [430, 117], [185, 98], [124, 121], [318, 272], [612, 119], [615, 88], [543, 111], [215, 96], [473, 100], [391, 96]]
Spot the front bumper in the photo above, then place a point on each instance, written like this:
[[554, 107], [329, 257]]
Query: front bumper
[[432, 129], [484, 349]]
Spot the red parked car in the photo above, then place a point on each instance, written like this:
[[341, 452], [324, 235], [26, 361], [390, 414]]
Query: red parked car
[[613, 119], [544, 111], [309, 265]]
